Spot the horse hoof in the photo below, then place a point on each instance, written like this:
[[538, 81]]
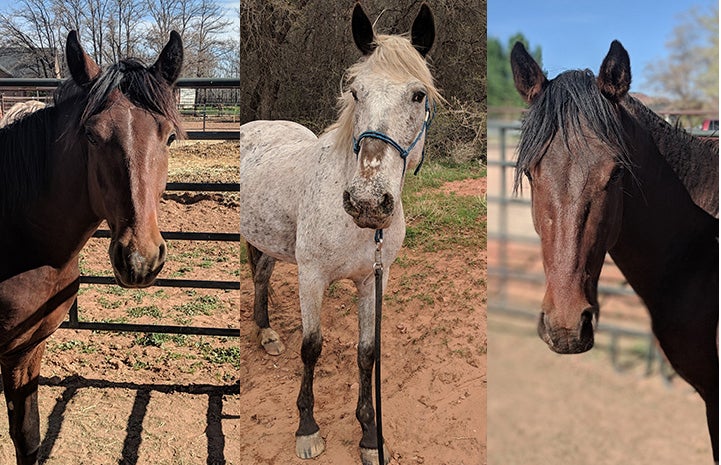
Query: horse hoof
[[370, 456], [270, 341], [307, 447]]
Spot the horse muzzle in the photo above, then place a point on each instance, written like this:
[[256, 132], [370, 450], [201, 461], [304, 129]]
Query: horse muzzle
[[369, 211], [133, 269], [574, 340]]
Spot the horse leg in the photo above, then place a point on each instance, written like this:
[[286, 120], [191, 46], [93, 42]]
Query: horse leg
[[698, 365], [261, 266], [308, 442], [366, 358], [20, 375]]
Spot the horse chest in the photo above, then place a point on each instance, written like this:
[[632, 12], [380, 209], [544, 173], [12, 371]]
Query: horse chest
[[34, 303]]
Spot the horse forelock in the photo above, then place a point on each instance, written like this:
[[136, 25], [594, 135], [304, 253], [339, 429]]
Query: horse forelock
[[393, 58], [569, 105], [144, 88]]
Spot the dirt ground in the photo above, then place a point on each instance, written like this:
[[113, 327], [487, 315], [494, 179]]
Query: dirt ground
[[561, 409], [433, 364], [151, 399]]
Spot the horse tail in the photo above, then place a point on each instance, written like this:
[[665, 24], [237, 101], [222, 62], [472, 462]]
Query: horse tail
[[253, 257]]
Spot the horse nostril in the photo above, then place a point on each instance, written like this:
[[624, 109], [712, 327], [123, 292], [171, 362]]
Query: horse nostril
[[350, 206], [387, 204], [161, 252], [586, 326]]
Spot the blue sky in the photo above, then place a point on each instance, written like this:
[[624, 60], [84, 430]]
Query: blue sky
[[577, 34]]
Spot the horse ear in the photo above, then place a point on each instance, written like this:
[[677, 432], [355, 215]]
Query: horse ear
[[363, 35], [170, 61], [423, 32], [527, 75], [614, 77], [82, 68]]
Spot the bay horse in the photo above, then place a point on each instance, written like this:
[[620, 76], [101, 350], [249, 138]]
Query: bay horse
[[602, 181], [316, 201], [100, 152]]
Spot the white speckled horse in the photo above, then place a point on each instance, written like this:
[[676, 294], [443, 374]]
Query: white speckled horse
[[316, 201]]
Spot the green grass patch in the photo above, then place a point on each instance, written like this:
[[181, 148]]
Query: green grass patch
[[201, 305], [148, 310], [438, 221], [73, 344]]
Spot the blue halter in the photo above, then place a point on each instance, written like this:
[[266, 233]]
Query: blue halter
[[403, 152]]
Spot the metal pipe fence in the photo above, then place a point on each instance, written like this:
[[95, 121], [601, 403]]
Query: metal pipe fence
[[511, 228], [73, 322]]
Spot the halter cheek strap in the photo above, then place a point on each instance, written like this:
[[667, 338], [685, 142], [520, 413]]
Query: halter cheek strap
[[401, 151]]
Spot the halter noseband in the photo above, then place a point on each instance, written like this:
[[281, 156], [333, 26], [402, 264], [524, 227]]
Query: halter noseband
[[401, 151]]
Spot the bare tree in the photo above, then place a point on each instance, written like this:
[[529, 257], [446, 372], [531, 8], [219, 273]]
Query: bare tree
[[204, 37], [32, 28]]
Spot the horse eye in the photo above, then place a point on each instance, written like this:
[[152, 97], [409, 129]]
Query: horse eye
[[615, 175], [172, 138], [91, 138], [419, 96], [354, 94]]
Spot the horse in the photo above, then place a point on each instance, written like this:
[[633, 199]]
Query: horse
[[327, 196], [602, 182], [100, 152], [20, 110]]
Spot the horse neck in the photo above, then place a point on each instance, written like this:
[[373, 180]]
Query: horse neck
[[695, 161], [662, 228]]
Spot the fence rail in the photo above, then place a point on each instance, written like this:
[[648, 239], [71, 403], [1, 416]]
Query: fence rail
[[73, 322]]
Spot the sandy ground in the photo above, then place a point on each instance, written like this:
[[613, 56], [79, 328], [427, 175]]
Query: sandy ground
[[549, 408]]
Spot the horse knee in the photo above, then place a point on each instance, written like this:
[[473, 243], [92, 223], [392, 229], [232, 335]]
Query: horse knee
[[366, 357], [311, 348]]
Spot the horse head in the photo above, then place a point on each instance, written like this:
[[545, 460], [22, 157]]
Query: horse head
[[126, 126], [387, 108], [574, 153]]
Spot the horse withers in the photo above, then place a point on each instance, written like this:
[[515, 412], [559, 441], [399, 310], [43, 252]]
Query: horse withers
[[608, 176], [100, 152], [316, 201]]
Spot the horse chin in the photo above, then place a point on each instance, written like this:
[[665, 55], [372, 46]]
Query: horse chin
[[372, 222], [134, 281]]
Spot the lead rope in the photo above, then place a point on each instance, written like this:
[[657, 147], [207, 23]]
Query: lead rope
[[378, 269]]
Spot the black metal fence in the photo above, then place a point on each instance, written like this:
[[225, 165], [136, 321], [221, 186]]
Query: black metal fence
[[38, 85]]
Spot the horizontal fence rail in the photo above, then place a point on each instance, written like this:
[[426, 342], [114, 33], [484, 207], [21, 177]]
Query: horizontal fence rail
[[48, 84], [73, 322]]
